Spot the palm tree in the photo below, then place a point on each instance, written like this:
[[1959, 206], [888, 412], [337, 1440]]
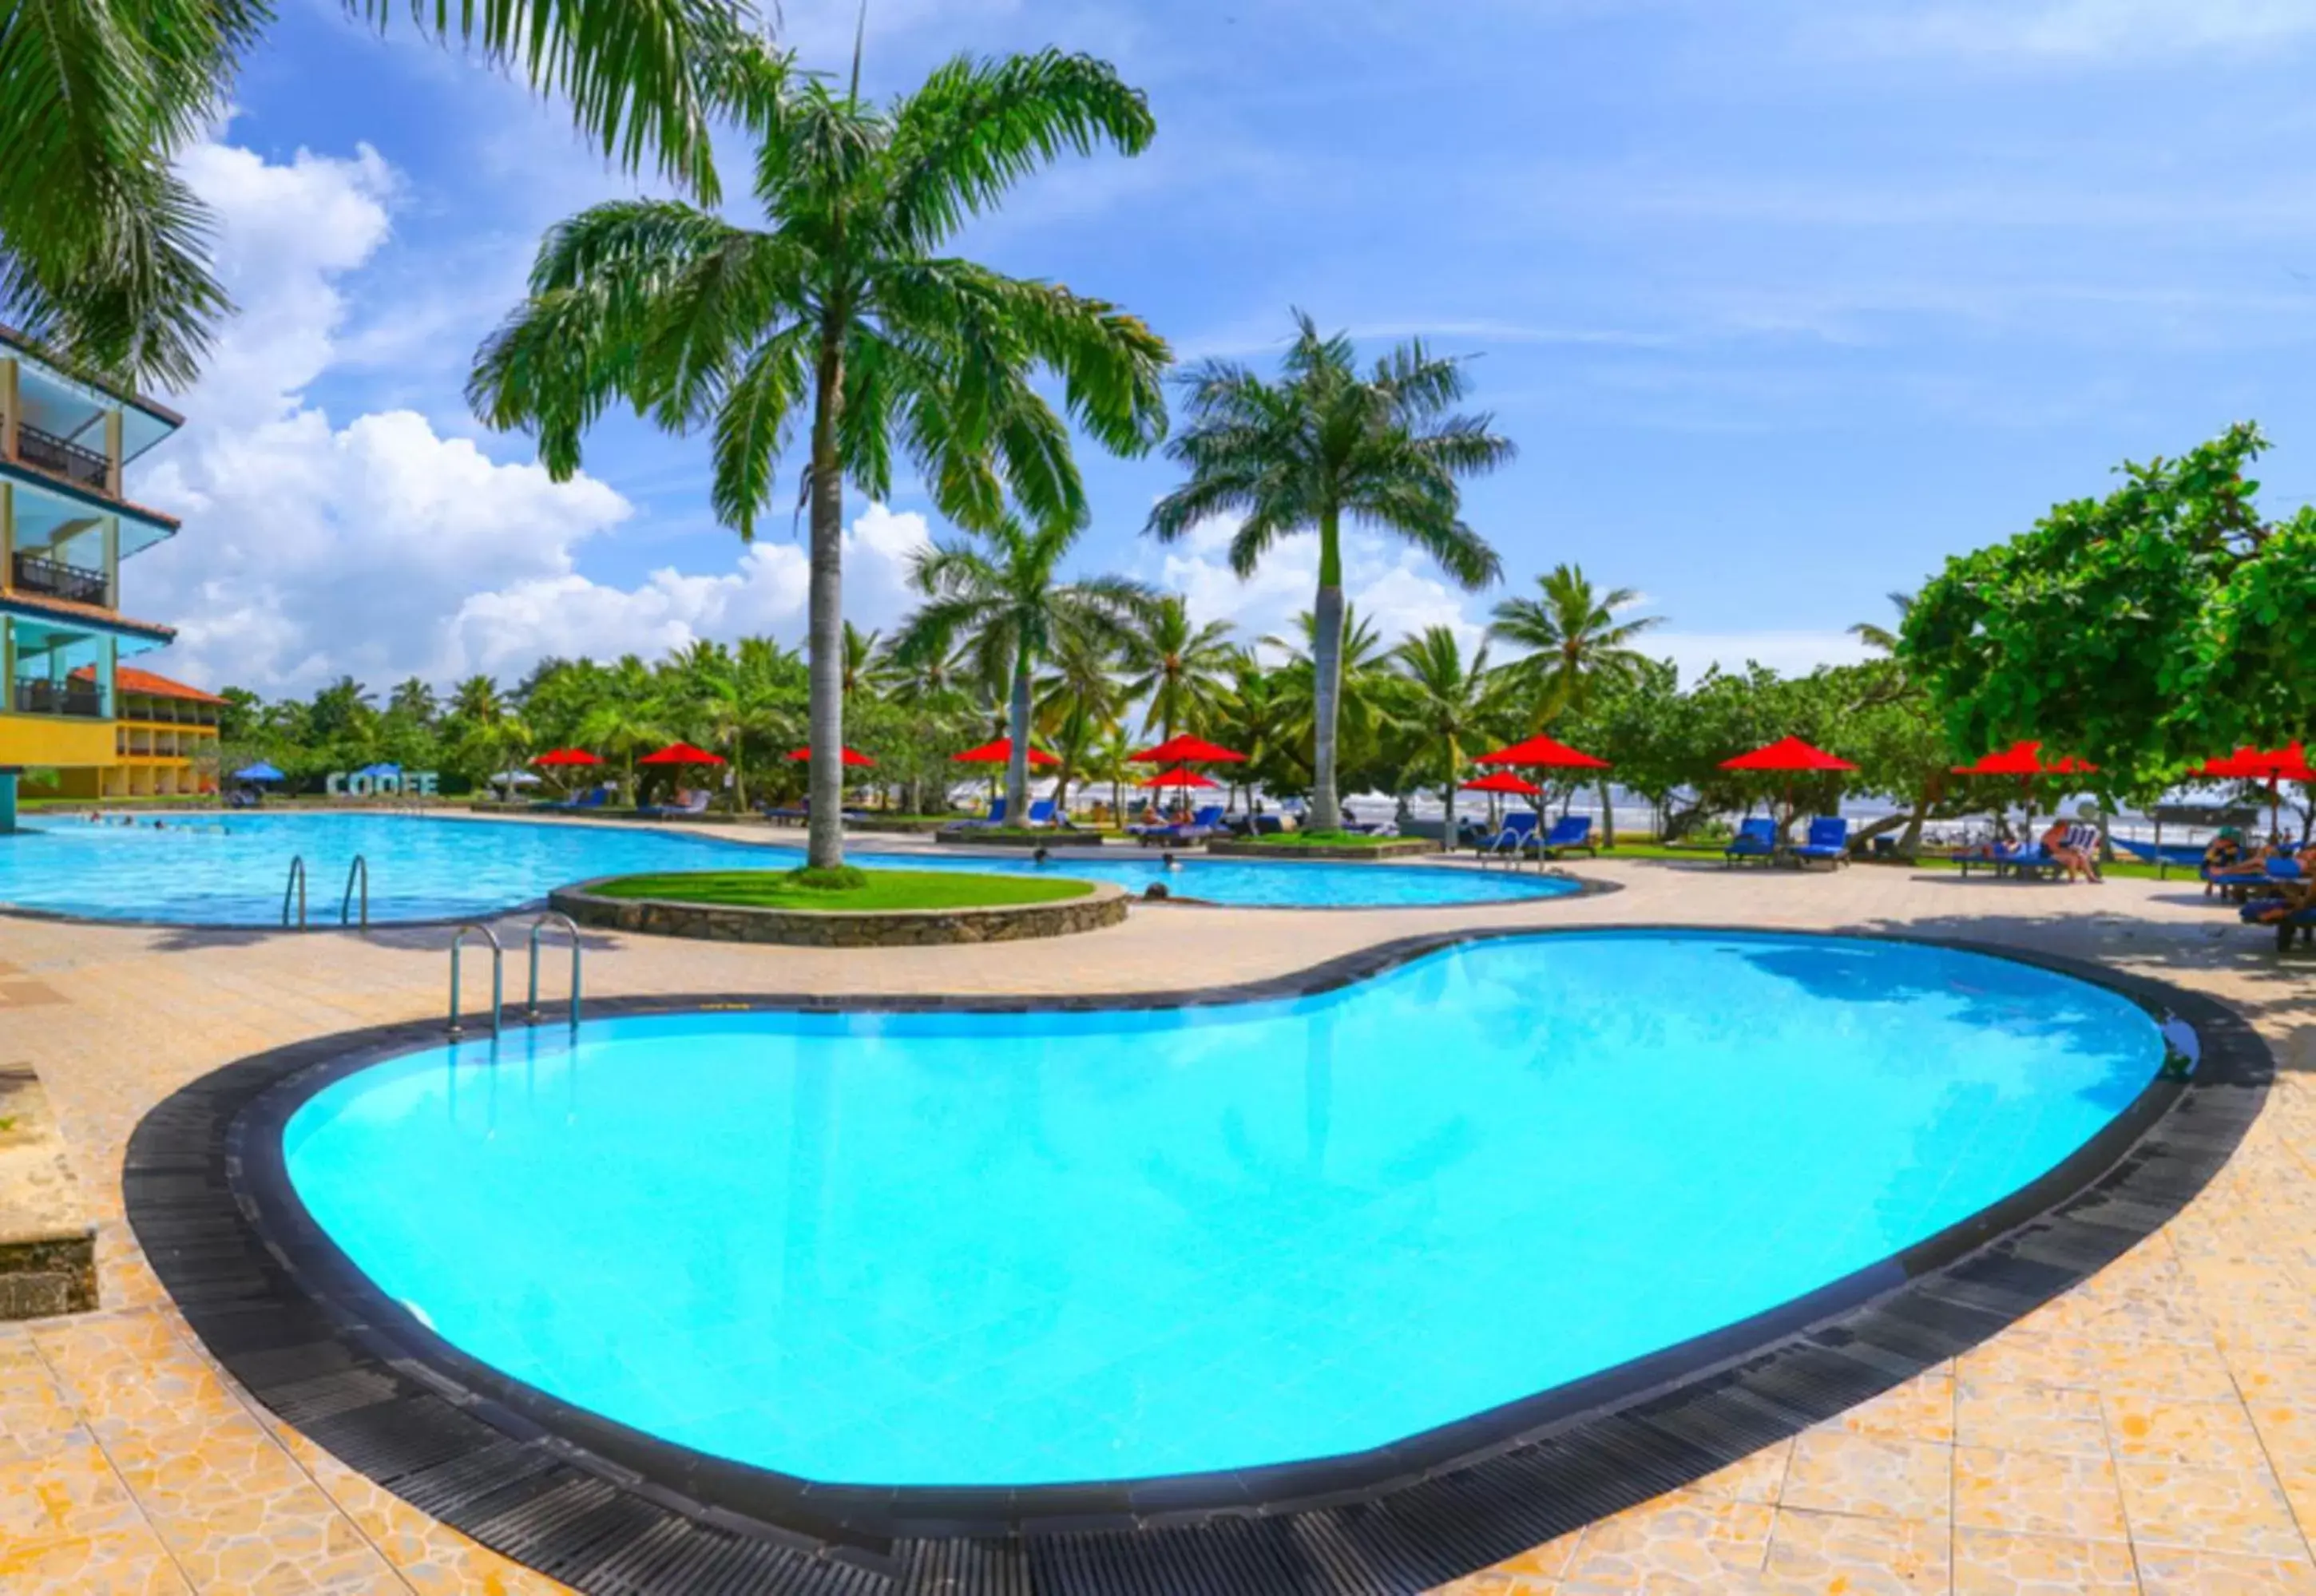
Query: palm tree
[[864, 662], [1075, 702], [842, 316], [476, 699], [1882, 640], [1575, 641], [1362, 670], [412, 700], [1182, 671], [1445, 704], [1001, 591], [623, 725], [1110, 760], [104, 250], [1253, 717], [1576, 645], [1321, 445]]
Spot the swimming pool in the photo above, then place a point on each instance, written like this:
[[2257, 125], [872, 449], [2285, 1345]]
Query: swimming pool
[[982, 1248], [230, 868]]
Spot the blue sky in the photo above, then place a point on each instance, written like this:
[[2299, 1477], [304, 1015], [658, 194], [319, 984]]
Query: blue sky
[[1783, 302]]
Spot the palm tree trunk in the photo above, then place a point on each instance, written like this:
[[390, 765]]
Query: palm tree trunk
[[824, 825], [1607, 816], [1327, 674], [1016, 764]]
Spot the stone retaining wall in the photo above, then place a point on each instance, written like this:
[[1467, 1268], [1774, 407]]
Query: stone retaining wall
[[907, 927], [1397, 849]]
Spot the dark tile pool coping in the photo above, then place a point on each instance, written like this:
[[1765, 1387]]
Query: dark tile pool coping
[[608, 1509]]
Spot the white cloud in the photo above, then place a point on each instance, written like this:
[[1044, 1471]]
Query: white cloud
[[1789, 653], [389, 546]]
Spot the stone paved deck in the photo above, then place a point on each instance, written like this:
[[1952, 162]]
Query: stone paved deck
[[2154, 1431]]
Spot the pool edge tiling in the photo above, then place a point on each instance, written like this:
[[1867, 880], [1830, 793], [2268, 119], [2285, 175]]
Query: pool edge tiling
[[510, 1467]]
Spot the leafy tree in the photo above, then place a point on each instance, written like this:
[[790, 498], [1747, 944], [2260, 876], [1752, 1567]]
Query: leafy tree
[[1881, 639], [1177, 670], [476, 699], [237, 717], [2144, 631], [843, 316], [1002, 592], [1447, 703], [1077, 704], [104, 250], [412, 700], [1363, 682], [1321, 445]]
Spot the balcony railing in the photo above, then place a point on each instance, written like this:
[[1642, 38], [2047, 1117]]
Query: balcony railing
[[67, 460], [54, 577], [59, 698]]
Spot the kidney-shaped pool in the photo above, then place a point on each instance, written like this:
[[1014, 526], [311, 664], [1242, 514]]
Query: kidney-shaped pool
[[982, 1248]]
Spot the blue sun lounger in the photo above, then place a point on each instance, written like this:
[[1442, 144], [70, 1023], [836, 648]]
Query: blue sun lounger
[[1828, 840], [697, 805], [1518, 832], [2301, 924], [1206, 822], [1569, 833], [1756, 839]]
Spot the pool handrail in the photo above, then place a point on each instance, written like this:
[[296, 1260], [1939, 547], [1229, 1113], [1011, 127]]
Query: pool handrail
[[498, 977], [571, 927], [360, 867], [295, 883]]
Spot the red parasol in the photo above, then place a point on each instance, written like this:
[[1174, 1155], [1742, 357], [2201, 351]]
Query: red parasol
[[2273, 766], [1001, 753], [1543, 753], [1504, 781], [852, 760], [682, 753], [2026, 759], [1179, 777], [570, 756], [1187, 750], [1787, 754]]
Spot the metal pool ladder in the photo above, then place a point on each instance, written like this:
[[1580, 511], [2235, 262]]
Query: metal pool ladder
[[296, 885], [359, 868], [538, 926], [498, 976]]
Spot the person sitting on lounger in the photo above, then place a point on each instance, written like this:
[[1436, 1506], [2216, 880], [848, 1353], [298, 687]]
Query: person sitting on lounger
[[2225, 852], [2075, 861]]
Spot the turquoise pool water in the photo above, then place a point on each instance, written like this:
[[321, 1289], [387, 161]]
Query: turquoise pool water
[[228, 868], [1025, 1248]]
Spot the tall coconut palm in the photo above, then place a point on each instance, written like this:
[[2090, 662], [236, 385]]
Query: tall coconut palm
[[841, 318], [1447, 705], [476, 699], [1002, 592], [1182, 671], [103, 249], [1322, 446], [1575, 642], [864, 662], [412, 700], [1078, 700], [1577, 646]]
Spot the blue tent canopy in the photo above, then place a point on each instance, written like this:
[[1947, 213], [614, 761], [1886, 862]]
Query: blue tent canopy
[[259, 772], [375, 771]]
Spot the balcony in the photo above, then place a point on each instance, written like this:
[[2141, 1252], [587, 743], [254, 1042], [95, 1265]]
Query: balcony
[[53, 455], [34, 574], [59, 698]]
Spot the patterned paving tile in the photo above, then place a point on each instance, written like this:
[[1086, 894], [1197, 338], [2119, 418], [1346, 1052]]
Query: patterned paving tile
[[2028, 1418], [1865, 1557], [1834, 1471], [2167, 1571], [2003, 1563], [1685, 1536], [2037, 1493], [2217, 1509]]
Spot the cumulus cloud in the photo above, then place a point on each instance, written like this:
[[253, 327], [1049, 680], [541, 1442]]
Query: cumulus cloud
[[1395, 588], [2076, 30], [386, 547]]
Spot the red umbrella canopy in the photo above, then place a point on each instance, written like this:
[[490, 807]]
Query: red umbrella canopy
[[1788, 753], [571, 755], [1544, 753], [1179, 777], [2251, 764], [2025, 758], [853, 759], [1187, 750], [1504, 781], [1001, 753], [682, 753]]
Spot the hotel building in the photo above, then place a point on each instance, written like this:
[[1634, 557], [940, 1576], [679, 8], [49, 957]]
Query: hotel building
[[65, 528]]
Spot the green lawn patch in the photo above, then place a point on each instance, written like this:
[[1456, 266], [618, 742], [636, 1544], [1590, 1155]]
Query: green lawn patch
[[874, 890]]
